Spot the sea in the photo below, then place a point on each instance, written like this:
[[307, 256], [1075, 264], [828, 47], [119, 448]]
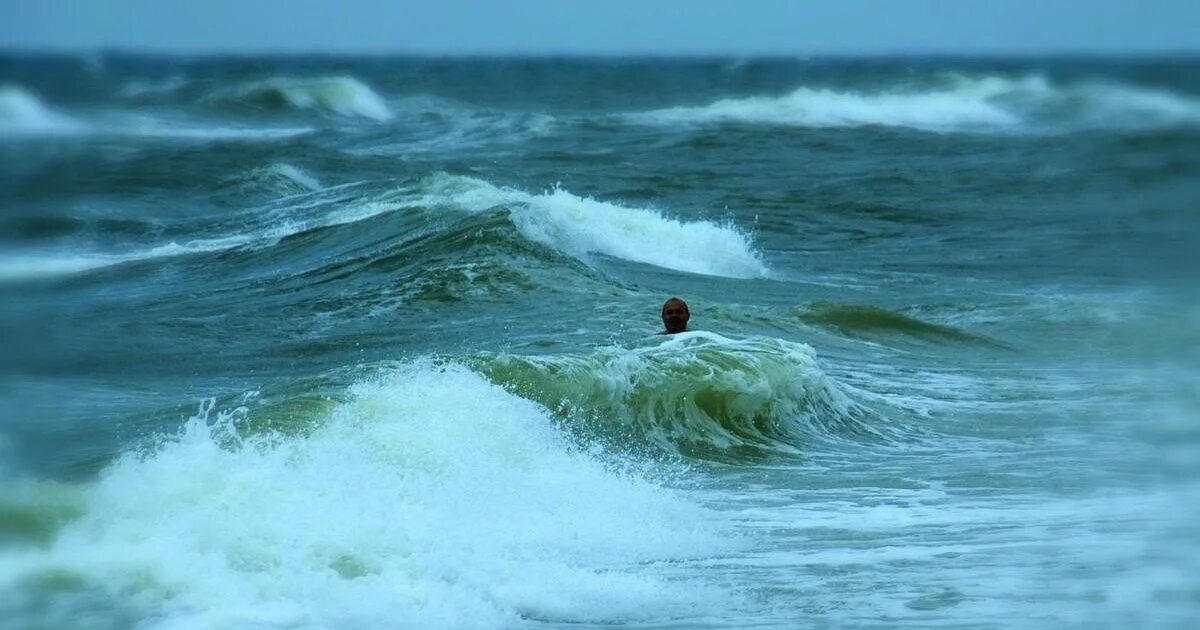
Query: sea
[[373, 342]]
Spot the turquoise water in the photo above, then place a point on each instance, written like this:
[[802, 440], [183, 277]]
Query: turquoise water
[[371, 342]]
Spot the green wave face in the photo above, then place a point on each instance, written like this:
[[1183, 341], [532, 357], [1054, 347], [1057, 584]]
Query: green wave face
[[698, 393], [863, 321]]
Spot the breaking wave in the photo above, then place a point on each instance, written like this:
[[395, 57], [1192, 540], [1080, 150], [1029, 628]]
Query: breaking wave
[[430, 497], [288, 201], [341, 96], [22, 113], [699, 392], [956, 103], [581, 226]]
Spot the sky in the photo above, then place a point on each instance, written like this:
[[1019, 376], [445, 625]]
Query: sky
[[605, 27]]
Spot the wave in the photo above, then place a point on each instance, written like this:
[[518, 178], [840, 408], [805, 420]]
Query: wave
[[868, 320], [477, 257], [301, 209], [430, 496], [35, 266], [146, 127], [955, 103], [342, 96], [274, 180], [565, 223], [22, 113], [698, 392], [149, 90], [581, 226]]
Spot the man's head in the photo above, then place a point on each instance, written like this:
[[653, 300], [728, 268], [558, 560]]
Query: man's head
[[675, 315]]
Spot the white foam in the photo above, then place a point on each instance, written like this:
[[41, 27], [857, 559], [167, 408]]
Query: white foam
[[344, 96], [22, 113], [432, 499], [959, 103], [580, 226]]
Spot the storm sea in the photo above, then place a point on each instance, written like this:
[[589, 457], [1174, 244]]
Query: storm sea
[[332, 342]]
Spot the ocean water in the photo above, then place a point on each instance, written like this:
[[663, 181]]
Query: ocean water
[[334, 342]]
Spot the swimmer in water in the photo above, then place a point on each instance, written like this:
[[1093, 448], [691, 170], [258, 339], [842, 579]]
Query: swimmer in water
[[675, 316]]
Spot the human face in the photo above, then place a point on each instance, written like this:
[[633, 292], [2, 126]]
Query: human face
[[675, 316]]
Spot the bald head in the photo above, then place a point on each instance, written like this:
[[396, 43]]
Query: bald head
[[675, 316]]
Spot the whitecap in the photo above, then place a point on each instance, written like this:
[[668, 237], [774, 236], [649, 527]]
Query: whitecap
[[957, 103], [581, 226]]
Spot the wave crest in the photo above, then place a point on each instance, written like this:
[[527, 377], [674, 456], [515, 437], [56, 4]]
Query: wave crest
[[429, 495], [580, 226], [955, 103], [866, 321], [699, 392], [21, 112], [342, 96]]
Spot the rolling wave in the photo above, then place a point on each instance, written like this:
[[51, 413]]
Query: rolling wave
[[341, 96], [302, 209], [581, 226], [476, 257], [698, 392], [956, 103], [565, 223], [22, 114], [858, 321], [429, 495]]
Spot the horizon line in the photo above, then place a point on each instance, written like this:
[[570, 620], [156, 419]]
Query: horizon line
[[629, 54]]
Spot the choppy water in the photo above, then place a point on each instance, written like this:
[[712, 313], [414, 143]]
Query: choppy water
[[359, 343]]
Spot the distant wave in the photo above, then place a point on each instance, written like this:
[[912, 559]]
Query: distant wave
[[341, 96], [148, 90], [580, 226], [958, 103], [407, 501], [260, 231], [24, 114], [150, 128], [21, 113], [51, 264]]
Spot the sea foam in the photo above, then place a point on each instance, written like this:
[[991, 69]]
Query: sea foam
[[430, 499], [580, 226]]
